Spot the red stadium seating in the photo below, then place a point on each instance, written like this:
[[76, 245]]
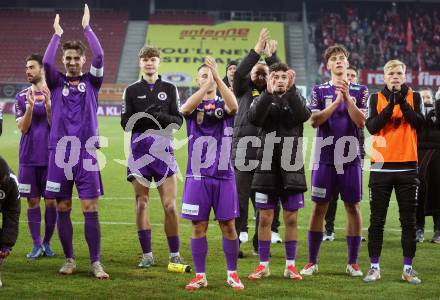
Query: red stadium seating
[[25, 31], [174, 18]]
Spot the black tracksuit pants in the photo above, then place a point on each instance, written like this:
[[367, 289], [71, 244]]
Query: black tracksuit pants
[[405, 185]]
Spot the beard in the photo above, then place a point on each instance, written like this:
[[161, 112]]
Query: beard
[[34, 79], [260, 82]]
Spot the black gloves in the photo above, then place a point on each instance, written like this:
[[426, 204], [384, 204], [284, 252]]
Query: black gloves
[[153, 110], [399, 97]]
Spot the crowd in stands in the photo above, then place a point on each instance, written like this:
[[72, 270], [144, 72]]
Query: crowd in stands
[[376, 35]]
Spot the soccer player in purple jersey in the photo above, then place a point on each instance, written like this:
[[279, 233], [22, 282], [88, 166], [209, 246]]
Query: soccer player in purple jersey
[[338, 111], [33, 114], [151, 137], [280, 112], [210, 180], [74, 139]]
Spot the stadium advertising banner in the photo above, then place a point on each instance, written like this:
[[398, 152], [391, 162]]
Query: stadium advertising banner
[[184, 47], [413, 78]]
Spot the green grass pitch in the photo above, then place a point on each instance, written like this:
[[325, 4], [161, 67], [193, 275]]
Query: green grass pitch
[[39, 279]]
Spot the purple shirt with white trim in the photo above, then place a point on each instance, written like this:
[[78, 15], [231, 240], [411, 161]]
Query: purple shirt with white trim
[[33, 149], [209, 129], [74, 99], [339, 124]]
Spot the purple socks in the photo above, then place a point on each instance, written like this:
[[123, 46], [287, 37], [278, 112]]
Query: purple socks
[[353, 245], [199, 251], [315, 240], [145, 240]]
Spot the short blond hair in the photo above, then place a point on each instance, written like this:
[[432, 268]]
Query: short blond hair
[[391, 64]]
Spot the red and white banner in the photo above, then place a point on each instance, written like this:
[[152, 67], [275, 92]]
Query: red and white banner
[[413, 78]]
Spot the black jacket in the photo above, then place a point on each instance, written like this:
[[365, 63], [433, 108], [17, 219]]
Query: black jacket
[[376, 121], [246, 91], [429, 134], [162, 102], [10, 209], [1, 122], [282, 117]]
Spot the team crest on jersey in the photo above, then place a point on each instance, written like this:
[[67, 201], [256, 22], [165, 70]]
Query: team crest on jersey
[[219, 113], [82, 87], [162, 96], [65, 91], [2, 195]]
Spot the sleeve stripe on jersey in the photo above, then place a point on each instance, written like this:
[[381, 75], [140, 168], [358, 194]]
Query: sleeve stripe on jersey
[[97, 72], [18, 119], [315, 110]]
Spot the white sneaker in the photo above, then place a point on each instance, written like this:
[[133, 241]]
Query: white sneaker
[[97, 270], [292, 273], [275, 238], [373, 275], [68, 267], [411, 276], [328, 236], [260, 272], [197, 282], [354, 270], [244, 237], [309, 269], [234, 282]]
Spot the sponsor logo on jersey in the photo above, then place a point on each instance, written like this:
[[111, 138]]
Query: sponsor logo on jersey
[[190, 209], [328, 100], [53, 186], [2, 195], [318, 192], [24, 188], [261, 198]]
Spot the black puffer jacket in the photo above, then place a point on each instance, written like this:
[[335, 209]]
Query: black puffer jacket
[[9, 206], [283, 117], [246, 91], [429, 134]]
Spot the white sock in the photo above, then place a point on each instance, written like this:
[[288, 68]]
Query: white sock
[[201, 274], [407, 268], [264, 263], [174, 254], [150, 254], [375, 266], [290, 262], [231, 272]]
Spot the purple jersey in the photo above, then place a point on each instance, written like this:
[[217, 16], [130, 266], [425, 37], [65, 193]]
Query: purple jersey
[[209, 129], [33, 144], [339, 124], [74, 99]]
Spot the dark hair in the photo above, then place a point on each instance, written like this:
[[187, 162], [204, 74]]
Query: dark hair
[[350, 67], [149, 51], [278, 67], [75, 45], [336, 48], [4, 171], [36, 57]]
